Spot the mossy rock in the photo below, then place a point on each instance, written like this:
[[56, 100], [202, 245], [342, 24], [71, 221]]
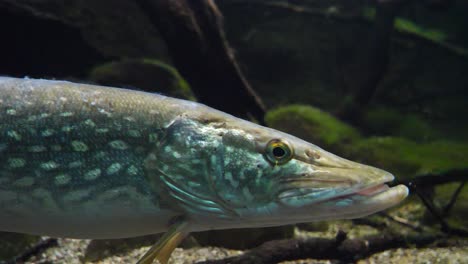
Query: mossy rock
[[407, 158], [243, 238], [124, 30], [415, 128], [381, 121], [386, 121], [146, 74], [313, 125], [12, 244]]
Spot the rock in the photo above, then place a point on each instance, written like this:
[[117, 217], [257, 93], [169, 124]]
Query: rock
[[386, 121], [313, 125], [103, 248], [406, 158], [114, 27], [425, 255], [146, 74]]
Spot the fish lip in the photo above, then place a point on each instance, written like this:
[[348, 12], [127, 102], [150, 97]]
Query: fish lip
[[370, 193], [363, 190], [373, 190]]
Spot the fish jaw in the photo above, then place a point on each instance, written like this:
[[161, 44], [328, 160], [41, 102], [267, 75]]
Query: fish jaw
[[355, 204]]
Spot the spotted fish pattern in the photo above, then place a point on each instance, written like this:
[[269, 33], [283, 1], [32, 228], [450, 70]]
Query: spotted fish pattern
[[75, 150]]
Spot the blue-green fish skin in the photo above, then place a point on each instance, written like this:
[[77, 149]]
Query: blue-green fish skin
[[89, 161]]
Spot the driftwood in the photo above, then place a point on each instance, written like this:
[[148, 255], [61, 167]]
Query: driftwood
[[423, 185], [432, 179], [338, 249], [195, 39]]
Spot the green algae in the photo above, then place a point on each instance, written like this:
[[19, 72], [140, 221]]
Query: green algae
[[312, 124], [408, 26], [178, 81], [407, 158], [386, 121], [147, 74], [404, 25], [400, 155]]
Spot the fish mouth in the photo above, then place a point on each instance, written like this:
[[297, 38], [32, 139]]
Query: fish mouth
[[333, 187], [335, 182], [368, 201], [375, 193], [363, 188], [344, 203], [373, 190], [368, 185], [338, 192], [366, 192]]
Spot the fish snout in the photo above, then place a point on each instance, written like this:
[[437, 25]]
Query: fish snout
[[329, 170]]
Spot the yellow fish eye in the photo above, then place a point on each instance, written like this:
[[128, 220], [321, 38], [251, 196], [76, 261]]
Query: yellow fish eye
[[278, 152]]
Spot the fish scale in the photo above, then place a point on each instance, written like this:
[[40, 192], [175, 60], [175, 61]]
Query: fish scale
[[75, 161]]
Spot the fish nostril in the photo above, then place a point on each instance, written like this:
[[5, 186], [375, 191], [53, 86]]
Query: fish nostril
[[312, 154]]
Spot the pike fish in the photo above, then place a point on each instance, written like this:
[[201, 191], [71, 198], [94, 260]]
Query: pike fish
[[87, 161]]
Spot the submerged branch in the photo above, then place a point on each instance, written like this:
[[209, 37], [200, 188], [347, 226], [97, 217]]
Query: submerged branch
[[432, 179], [340, 248], [401, 221], [420, 184], [454, 198]]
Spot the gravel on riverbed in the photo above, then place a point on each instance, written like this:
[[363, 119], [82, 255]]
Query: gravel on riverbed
[[72, 251]]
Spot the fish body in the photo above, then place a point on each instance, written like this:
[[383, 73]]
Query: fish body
[[89, 161], [71, 158]]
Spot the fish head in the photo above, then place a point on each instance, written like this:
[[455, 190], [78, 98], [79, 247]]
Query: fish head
[[281, 179], [247, 175]]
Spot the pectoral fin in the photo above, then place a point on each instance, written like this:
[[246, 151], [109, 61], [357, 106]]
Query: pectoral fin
[[162, 250]]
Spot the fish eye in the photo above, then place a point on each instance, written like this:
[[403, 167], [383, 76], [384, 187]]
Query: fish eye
[[278, 152]]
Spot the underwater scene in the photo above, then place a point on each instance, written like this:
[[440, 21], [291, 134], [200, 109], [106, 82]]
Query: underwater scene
[[233, 131]]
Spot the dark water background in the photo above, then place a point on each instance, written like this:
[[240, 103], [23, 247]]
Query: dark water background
[[390, 79]]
